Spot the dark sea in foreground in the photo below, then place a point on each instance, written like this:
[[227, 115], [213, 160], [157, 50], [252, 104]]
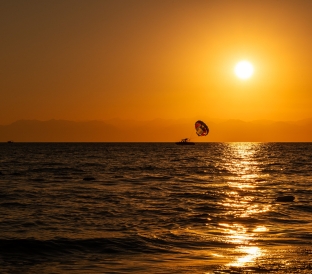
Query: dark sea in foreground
[[155, 208]]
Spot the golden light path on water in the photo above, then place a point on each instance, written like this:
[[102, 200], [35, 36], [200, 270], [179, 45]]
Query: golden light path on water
[[243, 166]]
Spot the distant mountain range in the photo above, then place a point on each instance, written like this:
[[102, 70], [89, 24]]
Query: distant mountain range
[[158, 130]]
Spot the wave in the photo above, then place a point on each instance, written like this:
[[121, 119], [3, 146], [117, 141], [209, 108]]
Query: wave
[[75, 246]]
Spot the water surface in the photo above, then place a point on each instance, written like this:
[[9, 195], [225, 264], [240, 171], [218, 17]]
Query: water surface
[[155, 208]]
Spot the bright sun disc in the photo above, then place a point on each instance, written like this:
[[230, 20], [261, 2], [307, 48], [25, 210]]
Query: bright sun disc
[[244, 69]]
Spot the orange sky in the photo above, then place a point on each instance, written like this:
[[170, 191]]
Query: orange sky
[[85, 60]]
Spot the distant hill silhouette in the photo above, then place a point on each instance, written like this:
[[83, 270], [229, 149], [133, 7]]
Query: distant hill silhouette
[[158, 130]]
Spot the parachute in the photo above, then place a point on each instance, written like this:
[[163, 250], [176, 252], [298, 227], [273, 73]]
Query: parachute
[[201, 128]]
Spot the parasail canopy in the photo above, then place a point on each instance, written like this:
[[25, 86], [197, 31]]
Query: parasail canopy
[[201, 128]]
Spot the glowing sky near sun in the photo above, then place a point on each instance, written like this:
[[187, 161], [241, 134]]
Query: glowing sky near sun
[[84, 60]]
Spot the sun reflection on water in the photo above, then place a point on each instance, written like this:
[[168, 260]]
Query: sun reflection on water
[[235, 233], [243, 163], [241, 204], [250, 254]]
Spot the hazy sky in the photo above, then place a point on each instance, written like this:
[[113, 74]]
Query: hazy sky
[[83, 60]]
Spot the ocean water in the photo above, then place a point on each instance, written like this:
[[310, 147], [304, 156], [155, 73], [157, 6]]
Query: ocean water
[[155, 208]]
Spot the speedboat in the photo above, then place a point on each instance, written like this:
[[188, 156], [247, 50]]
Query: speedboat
[[185, 142]]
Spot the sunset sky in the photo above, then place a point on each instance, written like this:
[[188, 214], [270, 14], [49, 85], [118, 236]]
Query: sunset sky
[[132, 59]]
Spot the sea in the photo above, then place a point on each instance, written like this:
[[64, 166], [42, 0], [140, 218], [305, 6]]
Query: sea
[[155, 208]]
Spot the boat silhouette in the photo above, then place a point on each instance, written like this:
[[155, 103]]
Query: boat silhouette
[[185, 142]]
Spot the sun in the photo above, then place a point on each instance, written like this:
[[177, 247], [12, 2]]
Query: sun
[[244, 70]]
